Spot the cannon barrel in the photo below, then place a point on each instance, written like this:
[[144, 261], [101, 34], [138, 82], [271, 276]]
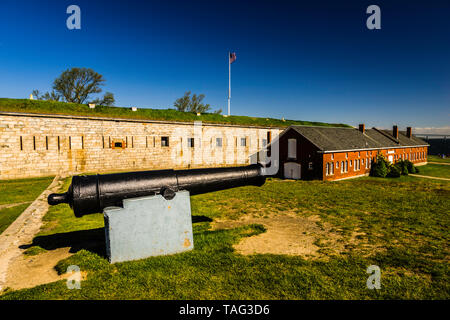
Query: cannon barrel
[[92, 193]]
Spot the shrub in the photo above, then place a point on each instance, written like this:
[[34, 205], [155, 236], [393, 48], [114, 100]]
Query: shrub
[[410, 166], [403, 167], [379, 167], [395, 171]]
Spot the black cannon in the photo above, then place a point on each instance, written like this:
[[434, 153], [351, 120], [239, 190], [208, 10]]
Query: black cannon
[[92, 193]]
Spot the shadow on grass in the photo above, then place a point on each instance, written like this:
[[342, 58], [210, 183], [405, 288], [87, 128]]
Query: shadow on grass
[[92, 240]]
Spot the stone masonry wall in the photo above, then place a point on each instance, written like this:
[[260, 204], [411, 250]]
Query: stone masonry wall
[[39, 145]]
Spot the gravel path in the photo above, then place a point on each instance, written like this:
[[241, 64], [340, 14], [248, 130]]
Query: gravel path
[[23, 229]]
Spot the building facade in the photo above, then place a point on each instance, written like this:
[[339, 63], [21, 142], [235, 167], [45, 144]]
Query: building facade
[[35, 145], [328, 153]]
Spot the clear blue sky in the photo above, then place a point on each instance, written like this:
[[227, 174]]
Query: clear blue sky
[[313, 60]]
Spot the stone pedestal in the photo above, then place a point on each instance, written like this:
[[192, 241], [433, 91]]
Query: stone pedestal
[[148, 226]]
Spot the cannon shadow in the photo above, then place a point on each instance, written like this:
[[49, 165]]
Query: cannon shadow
[[92, 240]]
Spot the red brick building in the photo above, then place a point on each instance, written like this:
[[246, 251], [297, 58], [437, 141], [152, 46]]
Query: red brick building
[[335, 153]]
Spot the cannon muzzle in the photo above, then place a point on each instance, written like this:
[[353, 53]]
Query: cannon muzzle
[[91, 194]]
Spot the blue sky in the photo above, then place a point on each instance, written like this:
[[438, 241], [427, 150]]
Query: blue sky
[[312, 60]]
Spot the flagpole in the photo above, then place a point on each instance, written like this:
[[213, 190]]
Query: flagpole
[[229, 83]]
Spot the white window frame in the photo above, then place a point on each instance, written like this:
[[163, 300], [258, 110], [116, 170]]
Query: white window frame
[[292, 148]]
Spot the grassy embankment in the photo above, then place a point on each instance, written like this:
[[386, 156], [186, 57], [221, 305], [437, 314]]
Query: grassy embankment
[[432, 158], [400, 224], [435, 170], [16, 196], [51, 107]]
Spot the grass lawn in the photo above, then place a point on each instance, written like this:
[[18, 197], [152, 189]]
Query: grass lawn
[[52, 107], [438, 159], [401, 225], [9, 215], [435, 170], [21, 192]]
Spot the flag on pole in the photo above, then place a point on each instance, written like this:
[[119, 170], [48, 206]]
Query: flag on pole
[[232, 57]]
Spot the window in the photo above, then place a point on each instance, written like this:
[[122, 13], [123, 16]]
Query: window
[[346, 155], [310, 165], [219, 142], [346, 166], [332, 168], [243, 142], [332, 156], [351, 162], [118, 144], [292, 148], [327, 172], [164, 141], [190, 142], [337, 165], [269, 136], [342, 167], [359, 154], [367, 163]]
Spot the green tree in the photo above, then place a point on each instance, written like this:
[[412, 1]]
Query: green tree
[[108, 100], [52, 96], [193, 104], [76, 84], [379, 167]]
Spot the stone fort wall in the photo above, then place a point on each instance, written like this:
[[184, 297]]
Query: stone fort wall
[[34, 145]]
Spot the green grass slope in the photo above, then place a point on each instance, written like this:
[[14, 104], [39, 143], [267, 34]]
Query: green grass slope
[[62, 108]]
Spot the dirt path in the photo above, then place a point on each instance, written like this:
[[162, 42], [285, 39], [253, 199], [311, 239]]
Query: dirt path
[[286, 233], [429, 177], [22, 231]]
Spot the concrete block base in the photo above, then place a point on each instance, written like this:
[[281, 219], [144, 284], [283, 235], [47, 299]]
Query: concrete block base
[[148, 226]]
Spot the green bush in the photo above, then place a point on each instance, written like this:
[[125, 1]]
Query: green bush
[[410, 166], [379, 167], [403, 167], [395, 171]]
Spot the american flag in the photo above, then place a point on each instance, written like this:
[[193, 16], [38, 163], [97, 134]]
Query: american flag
[[232, 57]]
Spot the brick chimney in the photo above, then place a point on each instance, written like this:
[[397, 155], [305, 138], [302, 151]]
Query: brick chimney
[[408, 132], [362, 128], [395, 132]]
